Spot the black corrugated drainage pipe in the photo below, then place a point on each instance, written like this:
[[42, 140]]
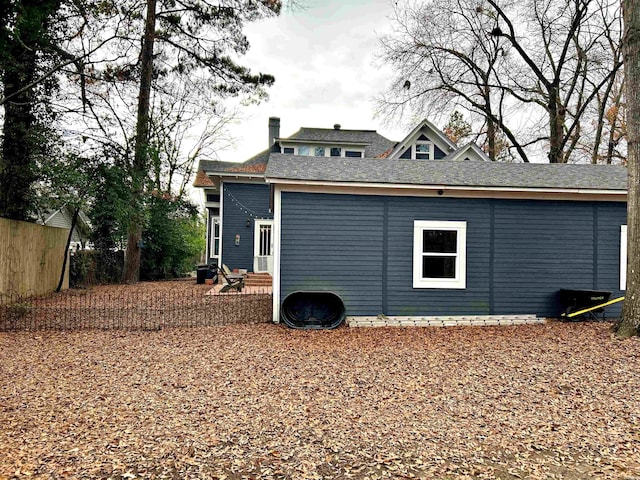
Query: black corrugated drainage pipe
[[312, 310]]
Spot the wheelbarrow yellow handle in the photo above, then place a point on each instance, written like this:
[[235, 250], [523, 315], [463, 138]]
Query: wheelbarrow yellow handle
[[580, 312]]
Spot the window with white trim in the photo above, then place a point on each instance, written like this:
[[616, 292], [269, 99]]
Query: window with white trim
[[423, 150], [322, 151], [214, 246], [439, 254], [623, 257]]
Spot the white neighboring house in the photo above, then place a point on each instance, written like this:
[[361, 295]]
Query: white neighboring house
[[61, 218]]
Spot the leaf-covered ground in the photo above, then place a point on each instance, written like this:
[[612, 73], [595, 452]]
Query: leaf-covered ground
[[261, 401]]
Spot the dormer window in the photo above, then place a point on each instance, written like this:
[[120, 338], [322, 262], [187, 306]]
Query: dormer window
[[304, 150], [423, 150], [323, 151]]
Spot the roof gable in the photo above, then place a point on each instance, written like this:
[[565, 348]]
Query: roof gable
[[470, 151], [428, 130]]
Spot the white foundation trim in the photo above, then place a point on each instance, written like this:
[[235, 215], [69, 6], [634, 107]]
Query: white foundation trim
[[444, 321]]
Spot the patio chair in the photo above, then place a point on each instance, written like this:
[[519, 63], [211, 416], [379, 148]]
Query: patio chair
[[234, 280]]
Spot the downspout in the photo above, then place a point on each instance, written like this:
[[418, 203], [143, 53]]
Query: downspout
[[277, 222]]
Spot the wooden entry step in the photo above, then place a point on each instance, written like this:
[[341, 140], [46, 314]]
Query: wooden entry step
[[258, 279]]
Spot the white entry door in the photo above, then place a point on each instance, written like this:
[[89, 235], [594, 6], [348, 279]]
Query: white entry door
[[263, 246]]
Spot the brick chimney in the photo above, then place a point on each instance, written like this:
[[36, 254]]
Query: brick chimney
[[274, 131]]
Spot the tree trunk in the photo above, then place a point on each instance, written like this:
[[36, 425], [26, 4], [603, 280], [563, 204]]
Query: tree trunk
[[491, 126], [74, 221], [629, 324], [131, 272], [602, 111], [491, 139], [556, 127], [611, 144]]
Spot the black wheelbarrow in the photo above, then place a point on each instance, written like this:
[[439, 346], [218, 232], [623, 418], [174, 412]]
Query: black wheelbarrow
[[578, 304]]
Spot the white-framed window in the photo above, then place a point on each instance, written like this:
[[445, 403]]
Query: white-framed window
[[423, 150], [439, 254], [623, 257], [323, 151], [214, 246]]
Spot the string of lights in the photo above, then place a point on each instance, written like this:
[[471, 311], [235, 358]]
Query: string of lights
[[246, 210]]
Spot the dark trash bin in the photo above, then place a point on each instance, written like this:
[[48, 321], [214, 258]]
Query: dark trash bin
[[573, 300], [313, 310], [201, 274], [211, 274]]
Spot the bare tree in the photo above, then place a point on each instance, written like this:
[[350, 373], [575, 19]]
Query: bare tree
[[184, 128], [444, 56], [548, 59]]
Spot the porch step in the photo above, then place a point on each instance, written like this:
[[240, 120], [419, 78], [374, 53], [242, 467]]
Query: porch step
[[258, 279], [444, 321]]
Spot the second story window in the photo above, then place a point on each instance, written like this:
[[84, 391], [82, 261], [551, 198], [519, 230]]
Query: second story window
[[353, 154], [319, 151], [288, 150], [304, 150], [336, 152], [424, 151]]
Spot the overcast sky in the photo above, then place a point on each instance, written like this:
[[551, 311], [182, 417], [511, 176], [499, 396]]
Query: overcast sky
[[323, 60]]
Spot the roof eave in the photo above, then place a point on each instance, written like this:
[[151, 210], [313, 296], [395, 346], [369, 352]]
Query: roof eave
[[235, 174], [619, 195]]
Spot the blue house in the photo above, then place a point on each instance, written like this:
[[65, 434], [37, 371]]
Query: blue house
[[418, 227], [239, 203]]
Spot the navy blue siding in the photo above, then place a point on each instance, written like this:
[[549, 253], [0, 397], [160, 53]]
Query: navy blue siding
[[519, 252], [242, 201], [437, 153], [402, 298], [333, 243], [609, 219], [541, 247]]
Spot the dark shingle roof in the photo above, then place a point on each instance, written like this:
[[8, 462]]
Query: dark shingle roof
[[375, 143], [447, 173], [376, 146], [256, 164]]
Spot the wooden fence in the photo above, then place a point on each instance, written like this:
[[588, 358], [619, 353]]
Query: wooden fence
[[31, 257]]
